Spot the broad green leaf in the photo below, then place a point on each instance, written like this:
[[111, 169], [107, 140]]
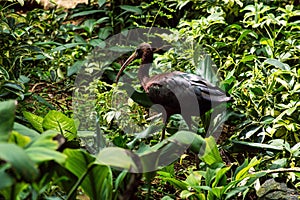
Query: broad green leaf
[[58, 121], [19, 161], [7, 113], [118, 158], [43, 148], [34, 120], [98, 182], [25, 131], [211, 154]]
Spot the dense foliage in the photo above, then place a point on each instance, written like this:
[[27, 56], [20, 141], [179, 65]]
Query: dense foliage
[[255, 49]]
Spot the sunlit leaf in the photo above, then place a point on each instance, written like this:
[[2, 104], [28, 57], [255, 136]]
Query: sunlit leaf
[[35, 120], [58, 121], [210, 154], [19, 139], [244, 172]]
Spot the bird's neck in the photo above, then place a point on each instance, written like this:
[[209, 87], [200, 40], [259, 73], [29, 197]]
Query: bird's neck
[[143, 73]]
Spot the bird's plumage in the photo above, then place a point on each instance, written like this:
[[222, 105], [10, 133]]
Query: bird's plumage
[[178, 92]]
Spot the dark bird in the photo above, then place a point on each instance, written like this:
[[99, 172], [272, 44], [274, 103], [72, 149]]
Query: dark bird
[[178, 92]]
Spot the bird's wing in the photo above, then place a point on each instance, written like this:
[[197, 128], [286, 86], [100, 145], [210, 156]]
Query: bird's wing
[[206, 90], [163, 88]]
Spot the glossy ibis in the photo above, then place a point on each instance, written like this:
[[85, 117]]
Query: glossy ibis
[[178, 92]]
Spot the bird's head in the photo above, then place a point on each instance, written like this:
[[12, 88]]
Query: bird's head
[[144, 51]]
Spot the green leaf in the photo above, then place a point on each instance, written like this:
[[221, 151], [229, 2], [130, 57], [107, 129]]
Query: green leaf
[[3, 73], [118, 158], [235, 191], [6, 179], [277, 64], [101, 3], [205, 69], [85, 13], [19, 139], [25, 131], [176, 183], [43, 148], [243, 173], [97, 43], [98, 181], [58, 121], [194, 178], [244, 33], [19, 161], [21, 2], [7, 113], [133, 9], [259, 145], [23, 79], [75, 68], [67, 46], [34, 120], [221, 173], [211, 154]]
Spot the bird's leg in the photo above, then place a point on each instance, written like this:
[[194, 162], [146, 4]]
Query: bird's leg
[[165, 121], [163, 133]]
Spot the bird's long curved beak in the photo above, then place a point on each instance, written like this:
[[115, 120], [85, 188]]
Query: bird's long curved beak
[[129, 60]]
